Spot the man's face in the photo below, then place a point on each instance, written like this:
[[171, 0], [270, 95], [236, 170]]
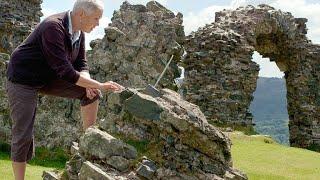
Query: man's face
[[90, 21]]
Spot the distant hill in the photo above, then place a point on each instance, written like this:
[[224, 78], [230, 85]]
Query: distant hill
[[269, 108]]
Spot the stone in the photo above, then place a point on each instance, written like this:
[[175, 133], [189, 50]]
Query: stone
[[90, 171], [5, 122], [48, 175], [133, 176], [17, 22], [145, 171], [143, 107], [113, 33], [137, 45], [73, 167], [149, 163], [235, 175], [100, 144], [147, 168], [118, 162], [180, 140], [74, 148]]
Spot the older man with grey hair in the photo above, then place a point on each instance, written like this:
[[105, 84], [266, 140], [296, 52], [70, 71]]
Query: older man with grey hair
[[52, 61]]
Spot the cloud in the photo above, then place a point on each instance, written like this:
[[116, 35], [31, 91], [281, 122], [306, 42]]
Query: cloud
[[47, 12], [162, 2], [192, 21], [237, 3], [267, 68]]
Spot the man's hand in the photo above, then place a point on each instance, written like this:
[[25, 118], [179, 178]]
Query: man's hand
[[95, 86], [92, 92], [112, 86]]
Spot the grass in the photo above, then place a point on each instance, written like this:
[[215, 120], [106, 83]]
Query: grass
[[262, 158], [45, 160]]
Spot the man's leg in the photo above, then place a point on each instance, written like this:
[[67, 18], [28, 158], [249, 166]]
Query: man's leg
[[89, 114], [22, 103], [19, 169], [89, 107]]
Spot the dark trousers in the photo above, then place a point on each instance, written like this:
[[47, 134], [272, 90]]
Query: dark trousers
[[23, 103]]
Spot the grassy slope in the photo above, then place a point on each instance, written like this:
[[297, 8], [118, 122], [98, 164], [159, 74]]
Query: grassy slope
[[260, 158]]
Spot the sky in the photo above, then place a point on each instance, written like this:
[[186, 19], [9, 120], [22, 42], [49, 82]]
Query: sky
[[197, 13]]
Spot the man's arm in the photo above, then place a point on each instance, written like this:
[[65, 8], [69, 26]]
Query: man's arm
[[85, 73], [87, 82]]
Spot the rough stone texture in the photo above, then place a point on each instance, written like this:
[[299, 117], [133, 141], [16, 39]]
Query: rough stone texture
[[137, 45], [118, 162], [73, 167], [220, 76], [98, 144], [17, 19], [179, 139], [90, 171], [58, 122], [173, 140], [47, 175], [4, 110]]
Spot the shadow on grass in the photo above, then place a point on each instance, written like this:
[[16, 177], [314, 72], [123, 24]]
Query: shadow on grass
[[53, 158]]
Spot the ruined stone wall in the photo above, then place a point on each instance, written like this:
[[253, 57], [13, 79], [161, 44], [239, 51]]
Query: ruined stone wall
[[5, 124], [17, 19], [303, 83], [220, 61], [137, 45], [220, 76]]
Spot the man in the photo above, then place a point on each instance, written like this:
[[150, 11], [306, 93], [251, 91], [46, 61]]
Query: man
[[52, 61]]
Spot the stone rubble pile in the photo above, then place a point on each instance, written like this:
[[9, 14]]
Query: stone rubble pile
[[170, 139]]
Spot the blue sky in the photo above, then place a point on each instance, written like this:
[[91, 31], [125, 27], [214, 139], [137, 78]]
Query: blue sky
[[197, 13]]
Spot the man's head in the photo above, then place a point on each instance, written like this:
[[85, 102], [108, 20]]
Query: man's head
[[87, 14]]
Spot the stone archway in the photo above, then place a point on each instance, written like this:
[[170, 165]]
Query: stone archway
[[220, 76]]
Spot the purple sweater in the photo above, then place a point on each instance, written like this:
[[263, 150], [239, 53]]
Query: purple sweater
[[48, 54]]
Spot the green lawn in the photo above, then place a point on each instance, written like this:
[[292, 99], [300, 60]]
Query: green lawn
[[261, 158], [45, 160], [33, 172]]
